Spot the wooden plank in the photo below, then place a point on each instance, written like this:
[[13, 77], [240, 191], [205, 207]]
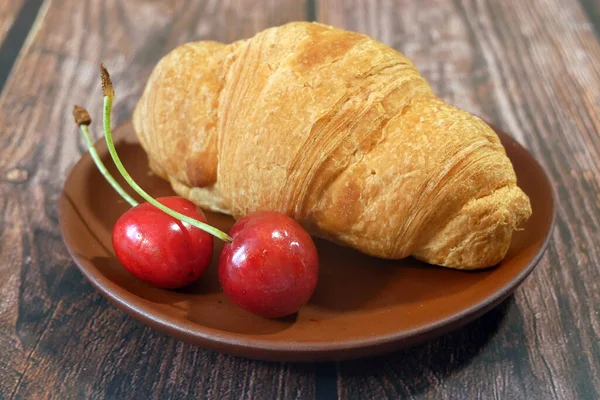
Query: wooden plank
[[531, 67], [8, 12], [592, 8], [58, 337], [16, 20]]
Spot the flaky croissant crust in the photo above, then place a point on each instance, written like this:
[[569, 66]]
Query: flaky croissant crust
[[338, 131]]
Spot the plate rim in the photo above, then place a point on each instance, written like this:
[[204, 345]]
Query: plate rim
[[220, 339]]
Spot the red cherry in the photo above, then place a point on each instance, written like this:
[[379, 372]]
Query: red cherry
[[271, 267], [160, 249]]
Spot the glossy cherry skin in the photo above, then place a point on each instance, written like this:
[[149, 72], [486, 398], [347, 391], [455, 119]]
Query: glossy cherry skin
[[271, 267], [160, 249]]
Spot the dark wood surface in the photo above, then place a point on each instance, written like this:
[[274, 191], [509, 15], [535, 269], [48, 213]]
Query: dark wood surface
[[8, 12], [530, 67]]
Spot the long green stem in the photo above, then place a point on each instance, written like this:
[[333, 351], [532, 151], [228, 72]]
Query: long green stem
[[92, 150], [113, 153]]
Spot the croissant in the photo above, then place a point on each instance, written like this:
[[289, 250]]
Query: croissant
[[340, 132]]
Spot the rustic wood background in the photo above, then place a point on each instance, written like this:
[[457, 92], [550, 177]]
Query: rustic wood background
[[531, 67]]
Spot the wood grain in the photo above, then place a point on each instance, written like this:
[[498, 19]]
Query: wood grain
[[8, 12], [592, 8], [529, 67], [58, 337]]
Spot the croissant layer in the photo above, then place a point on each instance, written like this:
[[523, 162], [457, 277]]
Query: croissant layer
[[340, 132]]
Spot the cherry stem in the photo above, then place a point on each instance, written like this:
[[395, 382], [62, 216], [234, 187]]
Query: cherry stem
[[102, 168], [108, 96], [83, 120]]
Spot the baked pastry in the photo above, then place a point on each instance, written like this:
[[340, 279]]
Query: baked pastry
[[339, 131]]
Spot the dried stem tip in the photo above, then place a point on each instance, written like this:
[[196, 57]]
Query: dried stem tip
[[82, 117], [107, 87]]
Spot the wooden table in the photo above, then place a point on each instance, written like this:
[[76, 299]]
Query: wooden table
[[531, 67]]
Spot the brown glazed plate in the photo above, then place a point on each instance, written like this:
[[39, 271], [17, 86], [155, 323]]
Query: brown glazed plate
[[363, 306]]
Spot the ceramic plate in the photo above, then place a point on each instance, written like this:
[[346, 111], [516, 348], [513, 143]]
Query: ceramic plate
[[362, 306]]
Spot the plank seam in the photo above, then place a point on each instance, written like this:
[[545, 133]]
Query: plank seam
[[15, 38]]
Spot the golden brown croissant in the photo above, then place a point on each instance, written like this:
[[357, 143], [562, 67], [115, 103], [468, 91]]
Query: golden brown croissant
[[338, 131]]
